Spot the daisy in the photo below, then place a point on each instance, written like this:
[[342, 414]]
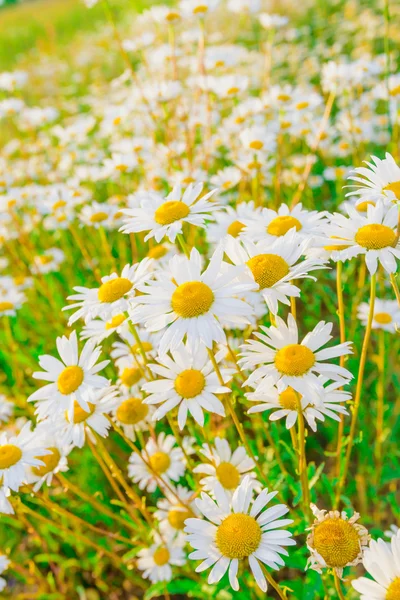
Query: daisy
[[373, 235], [232, 221], [11, 300], [123, 352], [73, 378], [173, 510], [386, 315], [224, 469], [98, 330], [382, 561], [17, 453], [335, 541], [48, 261], [156, 561], [286, 402], [233, 532], [273, 266], [54, 462], [112, 297], [99, 215], [381, 179], [184, 301], [187, 380], [160, 461], [281, 357], [6, 408], [132, 414], [165, 216]]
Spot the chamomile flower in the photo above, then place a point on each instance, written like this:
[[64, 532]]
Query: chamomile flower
[[380, 179], [188, 381], [165, 216], [73, 379], [112, 297], [279, 355], [54, 462], [98, 330], [335, 541], [372, 235], [224, 469], [132, 414], [173, 510], [160, 461], [236, 530], [183, 301], [157, 561], [11, 300], [232, 221], [386, 314], [48, 261], [382, 561]]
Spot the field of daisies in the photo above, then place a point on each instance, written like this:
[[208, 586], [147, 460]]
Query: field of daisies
[[199, 303]]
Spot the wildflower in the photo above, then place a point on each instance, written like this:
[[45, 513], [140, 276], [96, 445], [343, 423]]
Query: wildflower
[[382, 561], [157, 561], [386, 314]]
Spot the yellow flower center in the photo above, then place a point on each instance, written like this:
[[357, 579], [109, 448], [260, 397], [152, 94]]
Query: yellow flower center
[[288, 399], [171, 211], [132, 411], [393, 591], [157, 252], [393, 187], [238, 536], [45, 259], [256, 144], [80, 415], [160, 462], [177, 518], [59, 204], [284, 97], [6, 306], [190, 383], [147, 347], [302, 105], [281, 225], [235, 228], [99, 217], [201, 8], [267, 269], [192, 299], [383, 318], [337, 542], [130, 376], [363, 206], [9, 455], [116, 321], [114, 289], [294, 360], [172, 16], [161, 556], [121, 167], [395, 91], [233, 90], [50, 462], [375, 237], [70, 379], [228, 475]]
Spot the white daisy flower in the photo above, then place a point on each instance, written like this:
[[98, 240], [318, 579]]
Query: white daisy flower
[[187, 380], [99, 215], [73, 378], [273, 266], [11, 300], [373, 235], [335, 541], [54, 462], [381, 179], [279, 355], [160, 461], [224, 469], [98, 330], [17, 454], [173, 510], [234, 531], [382, 561], [123, 352], [157, 561], [165, 216], [285, 402], [6, 408], [232, 221], [183, 301], [49, 261], [112, 297], [386, 315]]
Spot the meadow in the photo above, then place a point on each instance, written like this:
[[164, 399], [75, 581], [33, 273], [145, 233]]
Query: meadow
[[199, 300]]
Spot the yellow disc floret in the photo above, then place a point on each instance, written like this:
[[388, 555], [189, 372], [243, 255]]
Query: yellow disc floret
[[393, 187], [177, 518], [190, 383], [268, 269], [192, 299], [288, 399], [171, 211], [132, 411], [9, 455], [228, 475], [114, 289], [161, 556], [294, 360], [70, 379], [393, 591], [337, 541], [383, 318], [160, 462], [375, 237], [6, 306], [116, 321], [235, 228], [281, 225], [130, 376], [238, 536], [50, 462]]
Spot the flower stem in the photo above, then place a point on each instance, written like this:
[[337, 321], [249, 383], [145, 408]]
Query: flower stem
[[395, 287], [273, 583], [183, 245], [303, 459], [380, 410], [338, 586], [342, 328]]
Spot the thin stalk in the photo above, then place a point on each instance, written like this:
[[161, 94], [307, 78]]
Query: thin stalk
[[273, 583], [380, 409], [303, 459], [342, 329], [338, 586], [395, 287]]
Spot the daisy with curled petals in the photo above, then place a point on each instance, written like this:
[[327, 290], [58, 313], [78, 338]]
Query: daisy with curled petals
[[112, 297], [17, 454], [232, 221], [160, 461], [285, 402], [271, 224], [165, 216], [335, 541], [73, 379], [184, 301], [382, 561], [157, 561], [173, 510], [236, 530], [373, 235], [187, 380], [386, 315], [380, 179], [224, 469], [273, 266], [278, 355]]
